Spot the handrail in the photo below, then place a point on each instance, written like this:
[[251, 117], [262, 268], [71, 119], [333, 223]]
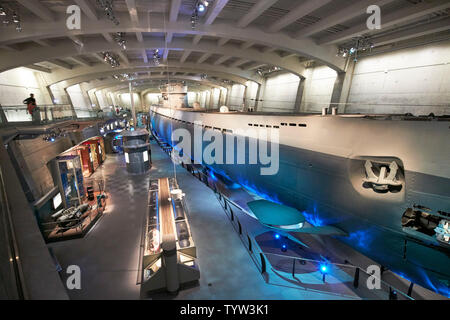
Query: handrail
[[14, 249]]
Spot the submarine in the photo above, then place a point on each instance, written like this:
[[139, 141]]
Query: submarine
[[383, 180]]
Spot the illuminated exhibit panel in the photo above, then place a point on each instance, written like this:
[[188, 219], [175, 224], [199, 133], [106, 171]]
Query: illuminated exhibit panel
[[169, 252], [357, 173], [92, 154]]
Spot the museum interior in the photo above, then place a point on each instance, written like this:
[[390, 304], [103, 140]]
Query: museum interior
[[225, 149]]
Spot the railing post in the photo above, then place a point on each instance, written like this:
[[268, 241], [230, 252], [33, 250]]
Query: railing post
[[293, 268], [356, 279], [240, 227], [232, 215], [410, 289], [249, 243], [263, 263]]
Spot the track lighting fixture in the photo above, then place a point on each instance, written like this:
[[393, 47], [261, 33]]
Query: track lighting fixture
[[119, 37], [111, 58], [156, 57], [9, 16], [356, 46], [107, 7]]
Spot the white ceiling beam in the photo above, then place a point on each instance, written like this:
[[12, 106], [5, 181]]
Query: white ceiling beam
[[221, 60], [139, 36], [123, 56], [185, 55], [214, 11], [83, 62], [204, 57], [88, 9], [255, 12], [304, 47], [349, 12], [37, 8], [104, 70], [388, 20], [197, 39], [131, 5], [9, 48], [166, 54], [169, 37], [144, 56], [38, 68], [297, 13], [76, 40], [289, 55], [269, 49], [247, 45], [255, 66], [61, 64], [174, 9], [42, 43], [108, 37], [222, 41], [423, 30], [239, 62]]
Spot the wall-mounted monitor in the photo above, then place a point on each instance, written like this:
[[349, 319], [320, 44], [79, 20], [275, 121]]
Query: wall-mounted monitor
[[57, 201]]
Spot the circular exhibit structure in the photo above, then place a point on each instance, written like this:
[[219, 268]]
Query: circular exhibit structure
[[136, 147]]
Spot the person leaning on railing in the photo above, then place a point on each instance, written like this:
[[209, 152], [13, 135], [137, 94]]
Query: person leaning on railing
[[32, 109]]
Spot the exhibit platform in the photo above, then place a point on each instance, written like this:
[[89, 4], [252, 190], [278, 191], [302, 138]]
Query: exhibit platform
[[82, 225]]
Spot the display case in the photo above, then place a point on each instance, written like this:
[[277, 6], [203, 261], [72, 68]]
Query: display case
[[70, 176]]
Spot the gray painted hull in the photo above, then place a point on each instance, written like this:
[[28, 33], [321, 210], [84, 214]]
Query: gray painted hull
[[323, 187]]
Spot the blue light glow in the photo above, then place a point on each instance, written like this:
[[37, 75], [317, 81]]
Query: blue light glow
[[283, 246], [323, 268], [277, 236], [361, 238]]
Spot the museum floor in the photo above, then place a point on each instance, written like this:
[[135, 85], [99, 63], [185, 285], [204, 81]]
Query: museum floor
[[109, 254]]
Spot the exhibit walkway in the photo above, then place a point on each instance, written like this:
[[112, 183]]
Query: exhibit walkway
[[108, 255]]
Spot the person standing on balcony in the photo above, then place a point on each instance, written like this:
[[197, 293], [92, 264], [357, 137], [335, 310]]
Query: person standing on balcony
[[33, 109]]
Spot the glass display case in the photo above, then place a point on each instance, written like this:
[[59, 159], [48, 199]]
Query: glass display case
[[71, 180]]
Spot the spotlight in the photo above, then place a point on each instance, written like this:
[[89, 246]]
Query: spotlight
[[323, 268], [277, 236], [283, 247], [201, 7]]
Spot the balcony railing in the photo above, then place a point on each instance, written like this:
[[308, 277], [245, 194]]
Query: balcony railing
[[18, 114]]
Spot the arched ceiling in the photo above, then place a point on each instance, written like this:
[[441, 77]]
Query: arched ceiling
[[155, 81], [231, 39]]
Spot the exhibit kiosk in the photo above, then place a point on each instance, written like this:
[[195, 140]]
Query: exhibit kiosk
[[169, 253]]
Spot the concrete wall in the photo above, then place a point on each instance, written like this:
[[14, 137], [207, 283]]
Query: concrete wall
[[101, 98], [151, 98], [280, 93], [79, 100], [251, 93], [191, 97], [17, 84], [319, 85], [215, 97], [59, 94], [236, 97], [415, 80], [126, 100], [34, 156]]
